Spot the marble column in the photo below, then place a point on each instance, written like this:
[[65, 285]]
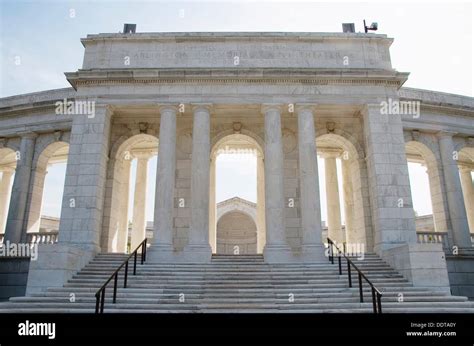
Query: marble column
[[348, 201], [198, 248], [5, 190], [122, 236], [139, 200], [162, 248], [36, 200], [312, 248], [14, 231], [212, 207], [468, 191], [332, 197], [276, 247], [454, 193], [261, 229]]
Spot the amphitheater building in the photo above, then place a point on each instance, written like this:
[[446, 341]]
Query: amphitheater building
[[289, 98]]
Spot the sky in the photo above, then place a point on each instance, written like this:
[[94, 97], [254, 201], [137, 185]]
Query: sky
[[40, 40]]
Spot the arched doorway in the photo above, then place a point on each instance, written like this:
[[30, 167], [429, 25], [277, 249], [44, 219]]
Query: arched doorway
[[236, 234], [344, 187], [466, 172], [426, 189], [235, 144], [129, 208], [7, 174], [49, 172]]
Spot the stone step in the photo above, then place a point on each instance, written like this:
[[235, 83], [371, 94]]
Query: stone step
[[300, 271], [236, 311], [235, 266], [246, 305], [273, 290], [193, 299], [243, 283], [230, 279], [158, 295]]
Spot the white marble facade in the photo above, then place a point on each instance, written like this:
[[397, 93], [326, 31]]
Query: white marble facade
[[289, 97]]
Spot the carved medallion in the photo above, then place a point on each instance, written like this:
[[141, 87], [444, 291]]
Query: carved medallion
[[289, 141], [185, 143]]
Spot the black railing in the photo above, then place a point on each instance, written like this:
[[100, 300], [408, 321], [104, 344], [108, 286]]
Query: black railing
[[376, 294], [100, 295]]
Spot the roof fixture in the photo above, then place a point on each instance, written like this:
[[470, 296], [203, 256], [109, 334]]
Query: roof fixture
[[348, 27], [129, 28], [374, 26]]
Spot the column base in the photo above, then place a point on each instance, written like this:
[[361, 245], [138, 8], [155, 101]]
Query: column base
[[313, 253], [422, 264], [55, 265], [201, 253], [162, 253], [278, 254]]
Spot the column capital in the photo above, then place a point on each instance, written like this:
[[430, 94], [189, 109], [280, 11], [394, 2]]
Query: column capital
[[268, 107], [168, 107], [466, 167], [329, 153], [445, 134], [305, 107], [201, 107], [28, 134], [142, 154], [127, 162], [7, 169]]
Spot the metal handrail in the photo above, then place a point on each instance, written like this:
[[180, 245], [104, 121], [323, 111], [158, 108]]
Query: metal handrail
[[100, 294], [376, 294]]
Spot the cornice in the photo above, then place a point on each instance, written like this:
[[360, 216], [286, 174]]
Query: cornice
[[308, 76]]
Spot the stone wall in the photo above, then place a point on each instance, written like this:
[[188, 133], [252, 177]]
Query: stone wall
[[13, 276], [461, 275], [236, 229]]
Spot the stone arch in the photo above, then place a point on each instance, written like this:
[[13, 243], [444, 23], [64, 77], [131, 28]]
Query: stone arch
[[355, 184], [345, 138], [51, 151], [236, 231], [115, 226], [466, 154], [220, 138], [415, 150], [8, 158], [237, 204], [231, 137], [466, 167], [12, 144], [47, 146]]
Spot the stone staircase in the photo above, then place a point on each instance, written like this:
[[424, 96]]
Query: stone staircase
[[242, 283]]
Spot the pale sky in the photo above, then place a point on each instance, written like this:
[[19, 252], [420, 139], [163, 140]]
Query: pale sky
[[39, 41], [433, 40]]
